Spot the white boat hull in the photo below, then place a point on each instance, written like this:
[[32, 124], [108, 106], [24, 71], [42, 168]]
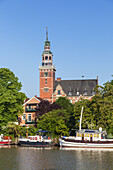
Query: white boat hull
[[83, 144]]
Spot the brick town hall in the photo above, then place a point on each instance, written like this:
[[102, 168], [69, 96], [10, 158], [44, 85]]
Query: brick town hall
[[51, 89]]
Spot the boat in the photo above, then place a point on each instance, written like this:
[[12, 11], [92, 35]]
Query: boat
[[87, 138], [40, 140], [5, 140]]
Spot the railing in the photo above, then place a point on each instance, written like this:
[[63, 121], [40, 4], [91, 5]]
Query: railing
[[30, 109], [30, 122]]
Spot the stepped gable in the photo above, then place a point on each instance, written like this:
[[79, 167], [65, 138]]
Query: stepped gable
[[71, 87]]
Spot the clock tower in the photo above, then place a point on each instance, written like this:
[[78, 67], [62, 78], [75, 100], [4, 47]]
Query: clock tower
[[47, 72]]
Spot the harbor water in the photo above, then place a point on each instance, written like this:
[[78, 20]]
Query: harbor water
[[24, 158]]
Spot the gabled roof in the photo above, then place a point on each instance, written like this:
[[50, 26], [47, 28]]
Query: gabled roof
[[74, 86], [39, 99]]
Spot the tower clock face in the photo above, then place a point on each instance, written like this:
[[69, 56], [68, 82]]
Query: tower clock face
[[45, 74]]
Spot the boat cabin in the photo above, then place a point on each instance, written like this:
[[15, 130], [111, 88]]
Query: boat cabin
[[90, 135]]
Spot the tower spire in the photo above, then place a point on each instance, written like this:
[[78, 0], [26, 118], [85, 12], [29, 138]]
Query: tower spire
[[46, 34]]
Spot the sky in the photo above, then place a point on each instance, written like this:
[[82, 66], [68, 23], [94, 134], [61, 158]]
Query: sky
[[80, 32]]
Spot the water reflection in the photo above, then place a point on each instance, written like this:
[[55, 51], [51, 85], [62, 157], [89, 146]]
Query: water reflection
[[5, 146], [21, 158]]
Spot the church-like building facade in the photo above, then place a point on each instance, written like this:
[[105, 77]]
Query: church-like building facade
[[51, 89]]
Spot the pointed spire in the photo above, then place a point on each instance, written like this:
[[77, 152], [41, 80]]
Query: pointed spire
[[46, 34]]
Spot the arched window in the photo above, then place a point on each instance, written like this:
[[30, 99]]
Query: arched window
[[46, 57]]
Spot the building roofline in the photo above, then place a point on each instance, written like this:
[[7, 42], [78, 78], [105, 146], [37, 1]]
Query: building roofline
[[37, 98]]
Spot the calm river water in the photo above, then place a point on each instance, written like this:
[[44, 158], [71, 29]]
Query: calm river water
[[20, 158]]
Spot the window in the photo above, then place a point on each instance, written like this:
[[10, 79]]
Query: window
[[45, 74], [29, 106], [24, 117], [59, 92], [70, 93], [85, 93], [46, 81], [29, 117], [49, 57], [43, 58], [93, 93], [77, 92], [46, 89], [46, 57], [97, 135]]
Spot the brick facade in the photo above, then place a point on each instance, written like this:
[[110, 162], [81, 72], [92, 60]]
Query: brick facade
[[51, 90], [47, 72]]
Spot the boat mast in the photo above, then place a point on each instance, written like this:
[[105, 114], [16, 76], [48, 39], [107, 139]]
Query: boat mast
[[81, 118]]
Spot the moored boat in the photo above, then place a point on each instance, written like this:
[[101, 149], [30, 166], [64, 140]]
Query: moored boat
[[86, 138], [5, 140], [40, 140]]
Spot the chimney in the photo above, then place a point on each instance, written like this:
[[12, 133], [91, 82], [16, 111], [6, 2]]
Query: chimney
[[58, 78]]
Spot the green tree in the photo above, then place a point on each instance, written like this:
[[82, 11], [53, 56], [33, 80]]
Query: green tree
[[55, 121], [11, 99], [32, 130], [69, 107], [87, 119]]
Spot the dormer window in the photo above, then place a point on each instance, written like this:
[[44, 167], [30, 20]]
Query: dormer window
[[77, 92], [59, 92], [70, 93]]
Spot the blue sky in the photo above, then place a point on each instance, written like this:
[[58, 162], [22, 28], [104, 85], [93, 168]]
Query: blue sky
[[80, 31]]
